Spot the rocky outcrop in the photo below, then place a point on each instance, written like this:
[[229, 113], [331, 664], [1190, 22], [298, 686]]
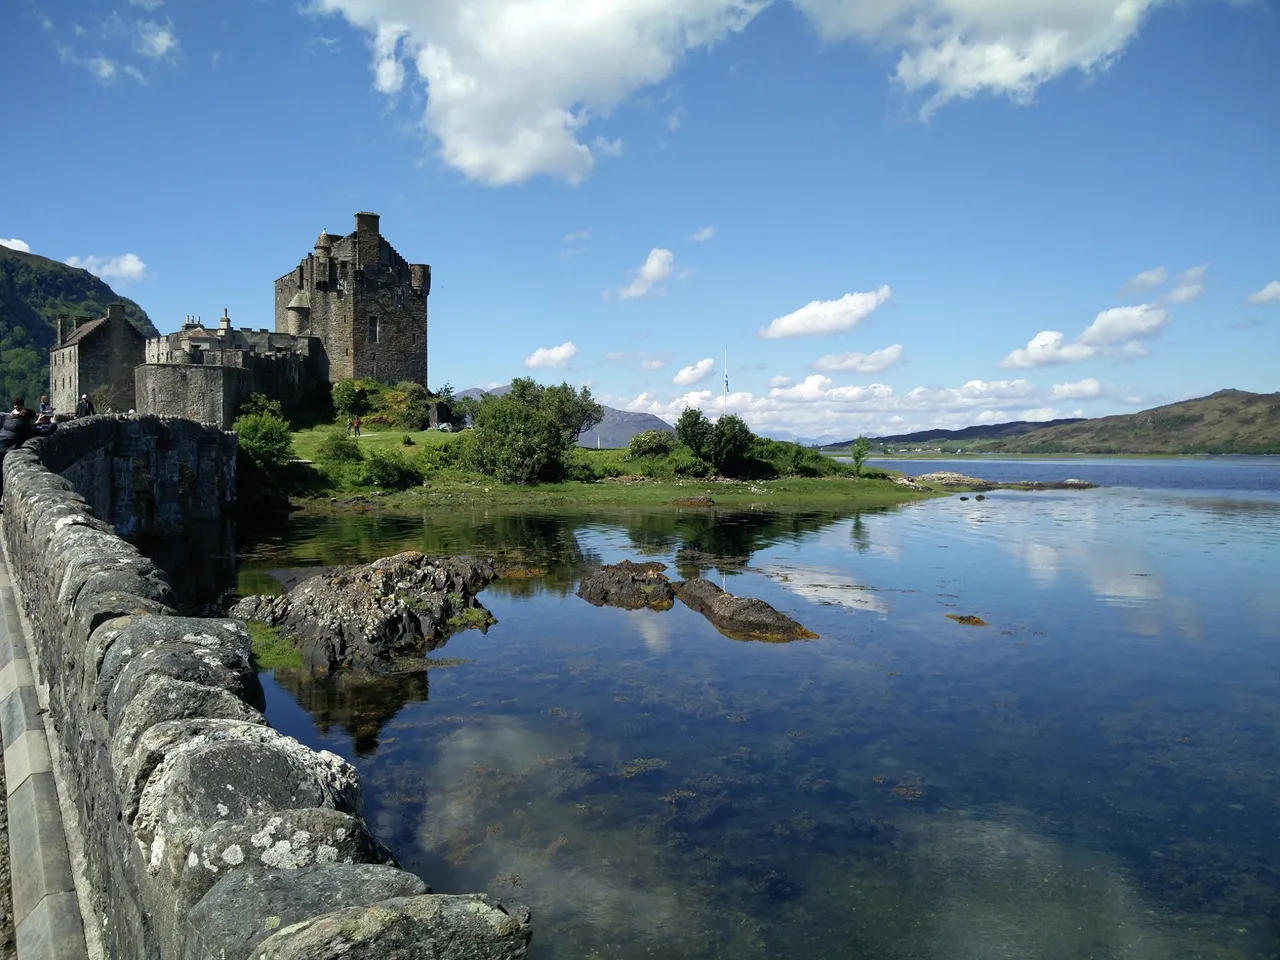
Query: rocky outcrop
[[741, 618], [206, 833], [372, 615], [953, 480], [630, 586]]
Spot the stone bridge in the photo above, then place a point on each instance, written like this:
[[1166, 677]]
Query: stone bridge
[[153, 812]]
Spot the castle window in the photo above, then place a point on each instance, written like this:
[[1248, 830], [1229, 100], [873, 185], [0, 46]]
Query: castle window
[[373, 329]]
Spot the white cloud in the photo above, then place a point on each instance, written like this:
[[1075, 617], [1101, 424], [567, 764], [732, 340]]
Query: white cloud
[[135, 73], [657, 267], [511, 85], [156, 41], [958, 49], [578, 236], [1120, 325], [125, 267], [15, 244], [652, 364], [1268, 294], [688, 376], [780, 381], [827, 316], [388, 70], [704, 234], [1189, 286], [874, 362], [102, 68], [608, 148], [675, 119], [819, 406], [551, 356], [1114, 332], [1147, 279], [1087, 389]]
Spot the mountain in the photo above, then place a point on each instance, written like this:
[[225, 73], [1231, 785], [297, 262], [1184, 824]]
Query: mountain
[[615, 430], [33, 291], [1229, 421], [982, 431], [792, 437]]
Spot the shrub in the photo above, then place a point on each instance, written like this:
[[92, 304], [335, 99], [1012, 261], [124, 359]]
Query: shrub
[[685, 463], [730, 445], [350, 398], [516, 442], [650, 443], [264, 439], [339, 447], [859, 451], [389, 468], [406, 441], [441, 458], [694, 430]]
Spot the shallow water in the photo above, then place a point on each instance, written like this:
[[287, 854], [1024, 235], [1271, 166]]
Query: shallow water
[[1092, 775]]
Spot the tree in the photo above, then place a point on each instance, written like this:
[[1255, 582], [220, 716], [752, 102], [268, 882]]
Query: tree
[[515, 442], [694, 430], [573, 411], [264, 435], [463, 411], [731, 441], [859, 452], [350, 398], [650, 443]]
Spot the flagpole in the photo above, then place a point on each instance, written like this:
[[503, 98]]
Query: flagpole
[[726, 382]]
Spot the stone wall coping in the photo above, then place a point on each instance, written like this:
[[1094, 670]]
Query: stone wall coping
[[46, 912]]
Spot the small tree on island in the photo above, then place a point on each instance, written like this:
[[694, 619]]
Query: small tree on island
[[264, 434], [859, 451], [694, 430], [526, 435]]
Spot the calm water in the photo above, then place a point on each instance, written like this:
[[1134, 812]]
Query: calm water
[[1095, 774]]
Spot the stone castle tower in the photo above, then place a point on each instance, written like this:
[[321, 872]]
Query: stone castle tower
[[365, 303]]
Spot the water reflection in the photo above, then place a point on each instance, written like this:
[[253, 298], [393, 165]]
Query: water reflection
[[360, 704], [201, 563], [1054, 785]]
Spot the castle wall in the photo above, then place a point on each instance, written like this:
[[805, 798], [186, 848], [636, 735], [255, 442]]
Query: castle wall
[[199, 392], [64, 379]]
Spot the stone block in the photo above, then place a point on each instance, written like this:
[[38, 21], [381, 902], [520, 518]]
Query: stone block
[[14, 674], [246, 907], [431, 927], [19, 712], [54, 930], [27, 756], [37, 844]]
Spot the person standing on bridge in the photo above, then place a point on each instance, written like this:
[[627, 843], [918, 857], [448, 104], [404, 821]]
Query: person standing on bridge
[[85, 407], [17, 428]]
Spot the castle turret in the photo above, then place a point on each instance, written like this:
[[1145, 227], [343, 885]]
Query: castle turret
[[298, 314]]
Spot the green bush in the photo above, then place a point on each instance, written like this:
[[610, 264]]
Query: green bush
[[516, 442], [650, 443], [730, 445], [443, 457], [350, 398], [694, 430], [685, 463], [390, 469], [264, 439], [339, 447]]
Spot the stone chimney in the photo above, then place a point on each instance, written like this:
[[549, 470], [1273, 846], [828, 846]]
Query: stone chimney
[[115, 311], [64, 327], [224, 324]]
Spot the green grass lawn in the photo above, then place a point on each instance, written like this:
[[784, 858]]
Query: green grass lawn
[[307, 442]]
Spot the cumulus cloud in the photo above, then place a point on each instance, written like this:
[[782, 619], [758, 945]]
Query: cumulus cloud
[[688, 376], [125, 267], [155, 40], [1268, 294], [780, 381], [608, 148], [551, 356], [657, 268], [1189, 286], [1115, 332], [827, 316], [1146, 280], [512, 85], [874, 362], [817, 405], [703, 235], [1087, 389], [14, 243], [652, 364]]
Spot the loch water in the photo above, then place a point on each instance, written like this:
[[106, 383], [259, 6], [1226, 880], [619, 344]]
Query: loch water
[[1095, 773]]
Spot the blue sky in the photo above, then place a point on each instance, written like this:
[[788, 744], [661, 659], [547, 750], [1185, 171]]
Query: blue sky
[[895, 214]]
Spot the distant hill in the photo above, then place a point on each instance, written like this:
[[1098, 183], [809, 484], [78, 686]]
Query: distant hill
[[1229, 421], [616, 430], [983, 431], [33, 291]]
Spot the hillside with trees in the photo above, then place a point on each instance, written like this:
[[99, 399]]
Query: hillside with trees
[[33, 291]]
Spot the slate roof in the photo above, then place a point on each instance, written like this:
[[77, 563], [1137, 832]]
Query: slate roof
[[82, 331]]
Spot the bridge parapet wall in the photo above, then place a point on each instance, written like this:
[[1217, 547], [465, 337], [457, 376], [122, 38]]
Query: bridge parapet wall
[[207, 834]]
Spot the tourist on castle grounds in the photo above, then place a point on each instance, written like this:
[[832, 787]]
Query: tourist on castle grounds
[[350, 421], [355, 425], [85, 407], [18, 427], [46, 410]]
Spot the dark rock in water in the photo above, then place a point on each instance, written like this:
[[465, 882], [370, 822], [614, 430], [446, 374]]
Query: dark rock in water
[[966, 498], [630, 586], [978, 497], [740, 618], [371, 615], [693, 502]]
